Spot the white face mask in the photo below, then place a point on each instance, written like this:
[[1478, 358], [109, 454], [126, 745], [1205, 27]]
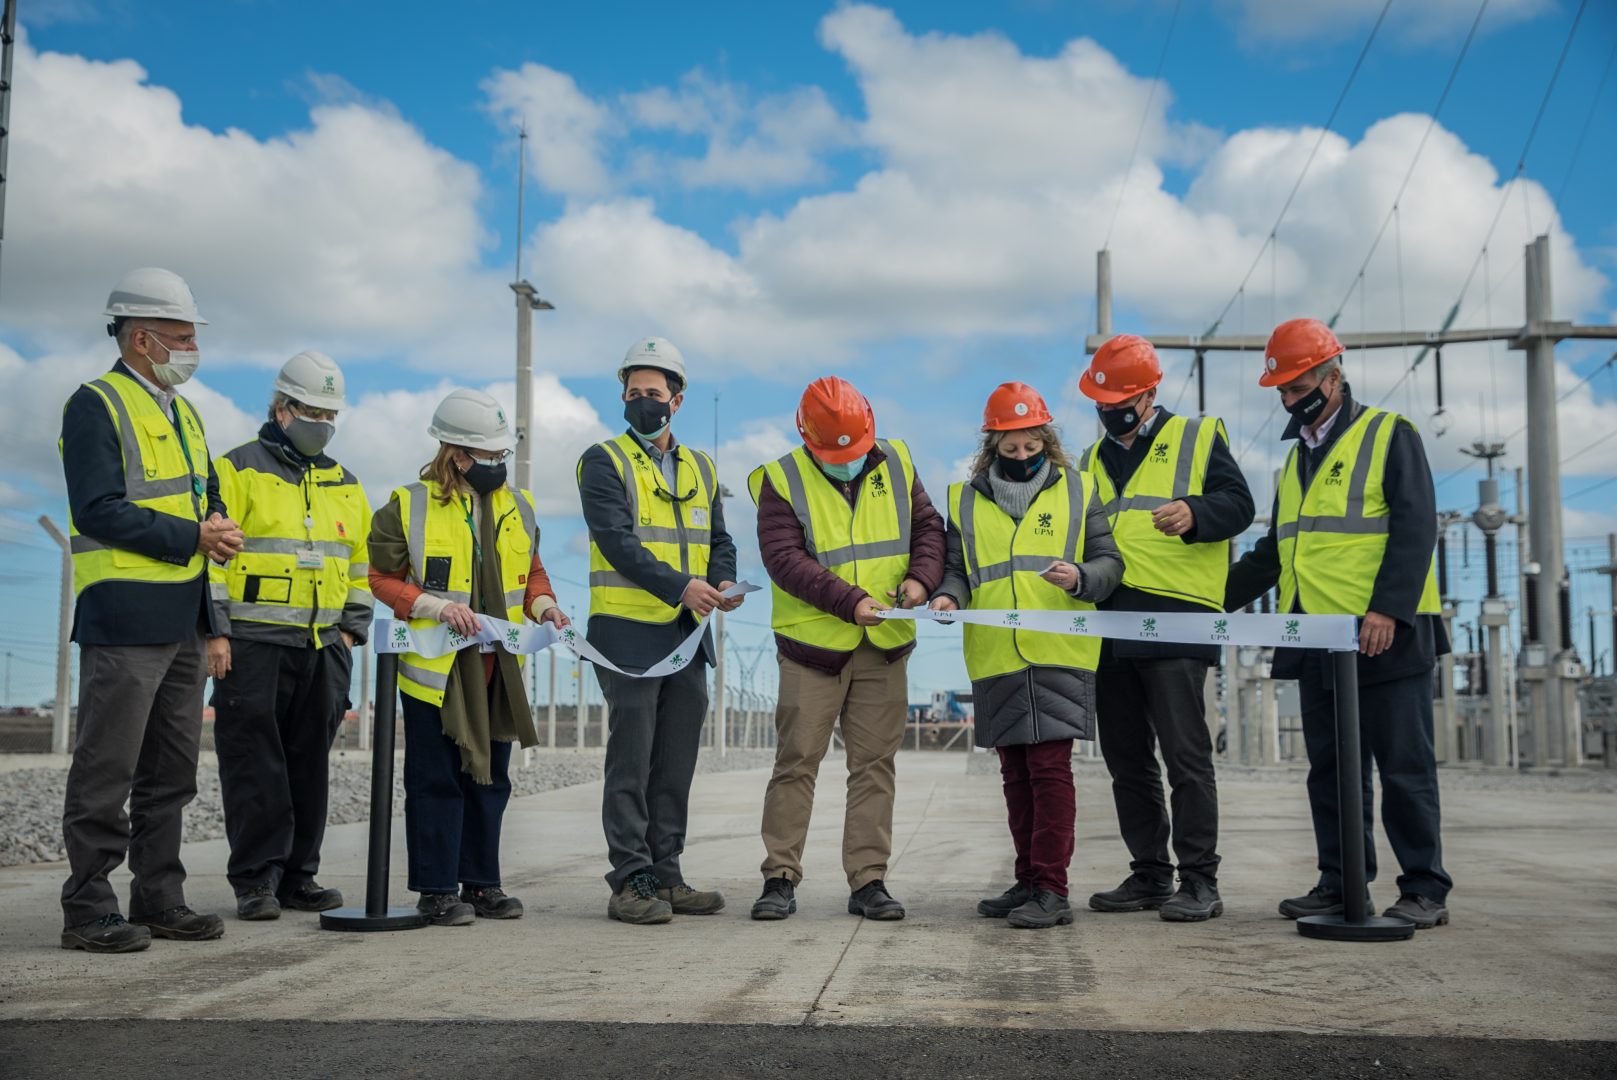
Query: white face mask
[[178, 368]]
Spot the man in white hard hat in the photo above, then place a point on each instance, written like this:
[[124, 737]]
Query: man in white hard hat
[[659, 559], [145, 515], [288, 612]]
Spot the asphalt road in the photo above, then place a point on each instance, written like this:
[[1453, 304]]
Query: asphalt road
[[293, 1049]]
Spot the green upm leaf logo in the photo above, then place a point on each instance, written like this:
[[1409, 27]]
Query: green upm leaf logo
[[1080, 623], [1148, 625], [1293, 626], [401, 634], [513, 638], [455, 639], [568, 635], [1013, 618], [676, 661], [1221, 626]]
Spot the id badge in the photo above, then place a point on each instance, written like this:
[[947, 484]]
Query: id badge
[[699, 516], [310, 559]]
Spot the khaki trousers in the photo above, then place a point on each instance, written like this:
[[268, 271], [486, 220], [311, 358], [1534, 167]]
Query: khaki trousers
[[871, 698]]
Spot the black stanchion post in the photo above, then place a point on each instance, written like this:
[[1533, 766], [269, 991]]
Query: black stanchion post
[[1355, 923], [376, 915]]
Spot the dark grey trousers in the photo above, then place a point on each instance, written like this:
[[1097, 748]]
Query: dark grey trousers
[[140, 723], [656, 732]]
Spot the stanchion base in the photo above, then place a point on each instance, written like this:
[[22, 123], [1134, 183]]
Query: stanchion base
[[354, 918], [1337, 928]]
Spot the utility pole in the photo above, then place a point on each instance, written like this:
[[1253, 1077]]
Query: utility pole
[[7, 703], [8, 36], [64, 645], [1495, 619], [528, 302], [1550, 666]]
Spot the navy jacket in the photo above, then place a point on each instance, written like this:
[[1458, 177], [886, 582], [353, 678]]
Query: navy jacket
[[128, 612]]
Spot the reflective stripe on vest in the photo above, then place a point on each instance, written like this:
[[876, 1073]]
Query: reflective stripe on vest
[[1004, 558], [433, 531], [324, 511], [1332, 537], [1175, 467], [165, 471], [675, 527], [866, 544]]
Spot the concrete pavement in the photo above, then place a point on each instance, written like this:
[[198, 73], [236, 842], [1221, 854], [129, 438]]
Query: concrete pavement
[[1531, 953]]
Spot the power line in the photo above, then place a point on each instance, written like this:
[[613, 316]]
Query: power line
[[1583, 133], [1145, 114]]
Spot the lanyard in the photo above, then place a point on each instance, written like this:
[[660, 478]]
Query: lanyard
[[471, 526], [198, 487]]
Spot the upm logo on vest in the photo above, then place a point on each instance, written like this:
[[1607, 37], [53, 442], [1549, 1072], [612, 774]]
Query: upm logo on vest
[[513, 639], [1080, 624], [1045, 525], [1335, 477], [1159, 452], [1293, 631], [1221, 630], [878, 486], [1148, 628]]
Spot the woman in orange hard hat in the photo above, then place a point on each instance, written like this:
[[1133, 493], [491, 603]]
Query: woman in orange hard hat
[[1175, 498], [1026, 532], [845, 530], [1353, 532]]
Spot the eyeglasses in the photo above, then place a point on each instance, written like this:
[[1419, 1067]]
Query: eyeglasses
[[310, 413], [185, 340], [489, 457]]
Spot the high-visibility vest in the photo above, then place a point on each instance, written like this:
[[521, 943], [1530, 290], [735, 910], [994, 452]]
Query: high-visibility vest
[[866, 544], [305, 552], [439, 537], [1004, 558], [1175, 467], [1332, 537], [674, 526], [165, 470]]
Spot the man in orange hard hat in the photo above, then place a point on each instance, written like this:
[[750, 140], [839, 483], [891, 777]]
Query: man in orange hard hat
[[845, 530], [1353, 533], [1175, 498]]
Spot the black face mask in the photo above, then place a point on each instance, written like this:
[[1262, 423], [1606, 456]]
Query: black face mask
[[485, 476], [1307, 408], [647, 417], [1119, 422], [1021, 470]]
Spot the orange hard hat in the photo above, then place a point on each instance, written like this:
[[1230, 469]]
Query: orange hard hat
[[1296, 346], [1014, 406], [1124, 367], [835, 421]]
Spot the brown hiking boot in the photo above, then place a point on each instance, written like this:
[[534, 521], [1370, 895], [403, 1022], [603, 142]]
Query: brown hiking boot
[[688, 901], [637, 902]]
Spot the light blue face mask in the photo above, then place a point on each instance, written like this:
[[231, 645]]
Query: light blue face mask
[[846, 471]]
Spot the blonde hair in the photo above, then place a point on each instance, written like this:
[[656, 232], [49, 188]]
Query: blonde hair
[[989, 450], [441, 470]]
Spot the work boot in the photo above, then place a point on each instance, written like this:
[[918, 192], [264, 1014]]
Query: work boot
[[445, 909], [1196, 901], [180, 923], [1043, 910], [688, 901], [1138, 892], [779, 900], [638, 903], [257, 904], [1422, 911], [491, 902], [1319, 901], [997, 907], [873, 901], [107, 934], [311, 897]]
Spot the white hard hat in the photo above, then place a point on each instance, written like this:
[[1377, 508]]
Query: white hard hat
[[472, 418], [314, 379], [653, 352], [153, 293]]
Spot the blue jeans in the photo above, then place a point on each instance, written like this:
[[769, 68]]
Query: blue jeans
[[451, 824]]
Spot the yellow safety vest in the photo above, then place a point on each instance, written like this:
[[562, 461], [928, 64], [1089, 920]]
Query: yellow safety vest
[[867, 544], [305, 554], [165, 470], [440, 540], [1332, 537], [674, 526], [1175, 467], [1004, 558]]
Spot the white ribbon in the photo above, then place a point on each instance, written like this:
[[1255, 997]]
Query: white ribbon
[[397, 636], [1338, 633]]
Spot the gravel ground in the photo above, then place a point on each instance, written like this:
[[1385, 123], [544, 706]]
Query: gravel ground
[[31, 799]]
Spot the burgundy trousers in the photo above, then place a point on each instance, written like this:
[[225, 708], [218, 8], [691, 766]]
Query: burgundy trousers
[[1043, 809]]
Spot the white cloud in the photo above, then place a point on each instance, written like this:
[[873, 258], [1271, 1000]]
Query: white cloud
[[566, 127], [1424, 22]]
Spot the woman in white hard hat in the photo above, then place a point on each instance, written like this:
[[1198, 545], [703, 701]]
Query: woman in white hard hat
[[458, 545]]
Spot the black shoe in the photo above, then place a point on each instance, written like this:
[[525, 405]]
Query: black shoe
[[258, 904], [180, 923], [1196, 901], [1421, 911], [873, 901], [1043, 909], [445, 909], [311, 897], [107, 934], [1137, 893], [997, 907], [779, 899], [1319, 901], [491, 902]]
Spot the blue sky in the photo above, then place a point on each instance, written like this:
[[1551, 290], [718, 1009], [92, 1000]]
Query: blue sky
[[909, 195]]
